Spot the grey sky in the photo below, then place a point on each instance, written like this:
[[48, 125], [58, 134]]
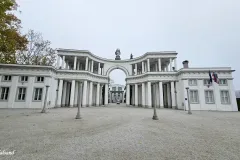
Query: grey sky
[[205, 32]]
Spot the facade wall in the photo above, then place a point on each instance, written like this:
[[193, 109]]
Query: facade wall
[[14, 84], [151, 72]]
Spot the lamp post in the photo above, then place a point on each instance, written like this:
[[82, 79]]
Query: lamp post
[[176, 99], [155, 117], [45, 100], [56, 98], [189, 107]]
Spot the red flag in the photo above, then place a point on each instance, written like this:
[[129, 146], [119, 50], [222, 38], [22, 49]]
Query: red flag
[[215, 77]]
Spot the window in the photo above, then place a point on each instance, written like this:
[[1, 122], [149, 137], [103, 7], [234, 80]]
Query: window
[[206, 82], [21, 94], [23, 78], [4, 93], [225, 97], [119, 88], [193, 96], [7, 78], [40, 79], [192, 82], [209, 97], [223, 82], [37, 94], [114, 88]]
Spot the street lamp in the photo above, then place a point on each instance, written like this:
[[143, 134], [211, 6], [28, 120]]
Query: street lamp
[[155, 117], [189, 107], [45, 100]]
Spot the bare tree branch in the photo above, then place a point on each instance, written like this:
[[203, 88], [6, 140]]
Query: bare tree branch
[[38, 51]]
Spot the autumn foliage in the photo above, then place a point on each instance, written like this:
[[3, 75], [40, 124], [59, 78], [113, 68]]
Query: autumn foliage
[[11, 39]]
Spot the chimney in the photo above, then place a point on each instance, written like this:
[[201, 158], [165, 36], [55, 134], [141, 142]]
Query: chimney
[[185, 64]]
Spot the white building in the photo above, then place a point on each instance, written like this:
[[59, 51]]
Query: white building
[[81, 77], [116, 92]]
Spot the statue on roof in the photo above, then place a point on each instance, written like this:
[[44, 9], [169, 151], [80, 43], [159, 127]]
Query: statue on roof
[[131, 56], [118, 53]]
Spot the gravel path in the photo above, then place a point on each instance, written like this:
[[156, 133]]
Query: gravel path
[[118, 132]]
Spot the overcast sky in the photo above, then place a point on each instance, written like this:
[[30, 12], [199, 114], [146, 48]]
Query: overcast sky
[[205, 32]]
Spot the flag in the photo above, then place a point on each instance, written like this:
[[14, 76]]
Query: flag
[[215, 77], [210, 77], [210, 80]]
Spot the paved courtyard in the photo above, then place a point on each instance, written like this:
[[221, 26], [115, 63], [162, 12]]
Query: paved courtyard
[[118, 132]]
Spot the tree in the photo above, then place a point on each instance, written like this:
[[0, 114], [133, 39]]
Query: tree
[[38, 51], [11, 39]]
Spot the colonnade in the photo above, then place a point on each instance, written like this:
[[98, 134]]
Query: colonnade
[[81, 63], [149, 94], [87, 93], [155, 66]]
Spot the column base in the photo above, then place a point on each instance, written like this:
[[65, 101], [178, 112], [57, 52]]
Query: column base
[[148, 106], [155, 117], [161, 107], [84, 106], [173, 107]]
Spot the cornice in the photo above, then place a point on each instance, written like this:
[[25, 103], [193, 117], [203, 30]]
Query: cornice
[[73, 52]]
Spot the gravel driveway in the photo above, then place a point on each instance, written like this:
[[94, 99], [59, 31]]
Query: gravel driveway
[[119, 132]]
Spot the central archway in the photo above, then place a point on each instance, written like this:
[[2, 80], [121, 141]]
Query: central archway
[[117, 85], [118, 67]]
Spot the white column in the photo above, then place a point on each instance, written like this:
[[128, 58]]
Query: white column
[[75, 63], [161, 95], [98, 94], [149, 92], [169, 95], [84, 98], [100, 100], [58, 61], [66, 64], [99, 69], [135, 69], [175, 63], [157, 95], [89, 66], [159, 65], [63, 62], [78, 65], [76, 93], [64, 93], [154, 95], [72, 93], [148, 65], [143, 95], [173, 95], [86, 65], [142, 67], [136, 94], [106, 94], [139, 96], [92, 63], [90, 94], [60, 89], [103, 70], [128, 95], [171, 64]]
